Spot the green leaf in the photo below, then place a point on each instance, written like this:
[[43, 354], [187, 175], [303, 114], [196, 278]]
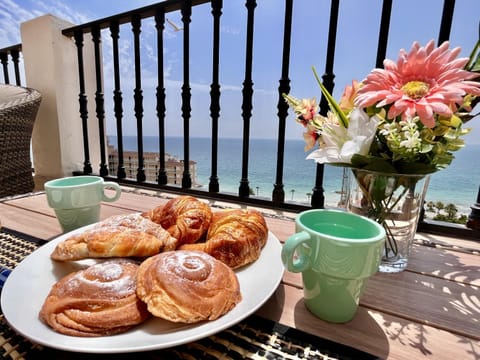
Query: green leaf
[[379, 164], [474, 59], [415, 168], [372, 163], [333, 104], [379, 188]]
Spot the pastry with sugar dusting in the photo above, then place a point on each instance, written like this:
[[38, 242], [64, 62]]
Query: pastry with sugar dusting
[[97, 301], [118, 236], [187, 286]]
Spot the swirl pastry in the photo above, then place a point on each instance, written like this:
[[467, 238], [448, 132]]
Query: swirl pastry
[[96, 301], [118, 236], [186, 218], [187, 286], [236, 237]]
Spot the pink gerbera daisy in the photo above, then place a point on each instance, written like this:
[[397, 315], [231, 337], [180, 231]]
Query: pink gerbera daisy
[[424, 82]]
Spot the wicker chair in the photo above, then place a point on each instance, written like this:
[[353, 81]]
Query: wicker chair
[[18, 110]]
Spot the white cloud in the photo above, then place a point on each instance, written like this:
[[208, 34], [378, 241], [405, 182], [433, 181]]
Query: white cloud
[[62, 10], [14, 13], [11, 15]]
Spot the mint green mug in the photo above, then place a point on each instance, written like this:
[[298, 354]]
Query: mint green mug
[[77, 199], [336, 252]]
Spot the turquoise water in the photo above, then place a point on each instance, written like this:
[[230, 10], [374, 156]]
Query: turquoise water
[[458, 184]]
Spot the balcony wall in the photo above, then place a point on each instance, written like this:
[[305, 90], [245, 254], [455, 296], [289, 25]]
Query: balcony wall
[[50, 60]]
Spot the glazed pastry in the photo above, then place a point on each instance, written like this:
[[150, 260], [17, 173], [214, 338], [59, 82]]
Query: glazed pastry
[[236, 237], [118, 236], [187, 286], [97, 301], [186, 218]]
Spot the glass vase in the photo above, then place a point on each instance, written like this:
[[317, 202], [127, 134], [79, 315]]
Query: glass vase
[[394, 201]]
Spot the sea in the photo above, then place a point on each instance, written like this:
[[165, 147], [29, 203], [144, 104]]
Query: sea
[[459, 184]]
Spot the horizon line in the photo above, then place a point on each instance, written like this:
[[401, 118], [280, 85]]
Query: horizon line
[[239, 138]]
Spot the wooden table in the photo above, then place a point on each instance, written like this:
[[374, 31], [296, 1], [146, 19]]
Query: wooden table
[[431, 310]]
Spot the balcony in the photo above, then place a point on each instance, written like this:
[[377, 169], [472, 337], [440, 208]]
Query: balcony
[[100, 99], [116, 104]]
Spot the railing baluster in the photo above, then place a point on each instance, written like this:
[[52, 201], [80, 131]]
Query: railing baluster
[[162, 178], [383, 33], [446, 23], [138, 97], [318, 196], [82, 98], [117, 98], [186, 94], [474, 216], [217, 5], [15, 54], [278, 195], [4, 60], [473, 221], [247, 92], [99, 100]]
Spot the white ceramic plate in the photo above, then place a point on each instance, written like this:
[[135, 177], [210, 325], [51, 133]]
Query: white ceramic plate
[[29, 283]]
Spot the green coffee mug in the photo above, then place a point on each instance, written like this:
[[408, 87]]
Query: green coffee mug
[[76, 199], [336, 252]]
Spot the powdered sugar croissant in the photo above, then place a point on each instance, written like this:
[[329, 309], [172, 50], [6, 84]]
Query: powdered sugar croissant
[[118, 236]]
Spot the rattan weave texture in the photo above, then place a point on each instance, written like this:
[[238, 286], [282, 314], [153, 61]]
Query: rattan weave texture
[[18, 110]]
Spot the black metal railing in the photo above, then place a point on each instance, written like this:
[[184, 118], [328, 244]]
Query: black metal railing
[[10, 58], [157, 12]]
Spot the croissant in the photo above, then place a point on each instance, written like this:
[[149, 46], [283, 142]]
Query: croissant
[[96, 301], [187, 286], [118, 236], [186, 218], [236, 237]]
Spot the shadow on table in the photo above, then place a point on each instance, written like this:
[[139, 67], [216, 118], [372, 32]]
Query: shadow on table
[[362, 328], [435, 290]]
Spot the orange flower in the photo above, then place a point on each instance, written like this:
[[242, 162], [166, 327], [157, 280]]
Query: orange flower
[[348, 97]]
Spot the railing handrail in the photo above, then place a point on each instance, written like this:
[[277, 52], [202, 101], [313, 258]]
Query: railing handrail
[[125, 17], [8, 49]]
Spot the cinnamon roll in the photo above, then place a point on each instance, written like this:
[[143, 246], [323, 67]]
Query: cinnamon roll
[[97, 301], [187, 286]]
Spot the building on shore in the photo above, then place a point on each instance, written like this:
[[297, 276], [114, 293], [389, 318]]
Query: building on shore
[[151, 162]]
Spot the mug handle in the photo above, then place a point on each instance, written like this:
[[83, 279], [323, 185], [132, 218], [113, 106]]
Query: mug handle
[[302, 262], [114, 186]]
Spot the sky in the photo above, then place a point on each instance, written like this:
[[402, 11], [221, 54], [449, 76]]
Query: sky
[[412, 20]]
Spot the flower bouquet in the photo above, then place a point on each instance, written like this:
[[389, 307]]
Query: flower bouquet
[[394, 128]]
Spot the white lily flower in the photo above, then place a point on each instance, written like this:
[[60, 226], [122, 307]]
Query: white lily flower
[[340, 144]]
